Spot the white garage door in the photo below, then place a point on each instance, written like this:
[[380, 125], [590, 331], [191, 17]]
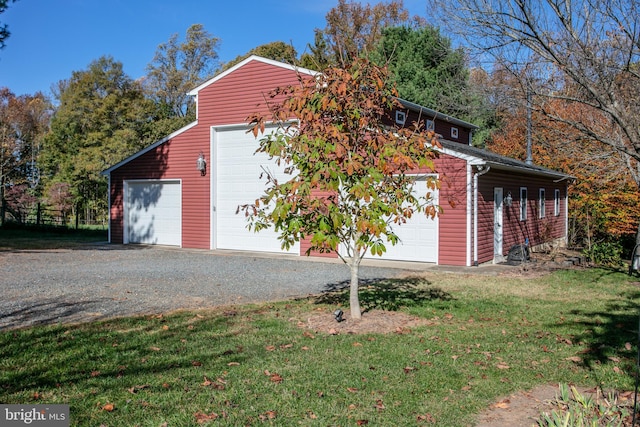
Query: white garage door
[[153, 212], [418, 236], [237, 182]]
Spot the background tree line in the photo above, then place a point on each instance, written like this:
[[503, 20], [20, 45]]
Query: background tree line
[[582, 88]]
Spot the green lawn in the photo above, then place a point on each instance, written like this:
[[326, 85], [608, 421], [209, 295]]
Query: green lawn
[[15, 238], [254, 365]]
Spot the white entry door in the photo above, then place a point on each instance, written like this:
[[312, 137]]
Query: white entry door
[[497, 224]]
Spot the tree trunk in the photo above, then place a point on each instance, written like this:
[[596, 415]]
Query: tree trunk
[[354, 300]]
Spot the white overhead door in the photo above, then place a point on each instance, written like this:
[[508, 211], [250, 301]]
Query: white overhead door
[[237, 182], [418, 236], [153, 212]]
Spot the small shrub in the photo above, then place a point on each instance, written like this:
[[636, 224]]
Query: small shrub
[[605, 254], [578, 410]]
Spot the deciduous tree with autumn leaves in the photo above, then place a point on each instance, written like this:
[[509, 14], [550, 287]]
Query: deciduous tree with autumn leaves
[[350, 183]]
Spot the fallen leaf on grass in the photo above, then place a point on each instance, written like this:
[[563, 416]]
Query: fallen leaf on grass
[[154, 348], [362, 422], [427, 417], [269, 415], [137, 388], [108, 407], [502, 365], [576, 359], [218, 384], [276, 378], [202, 418]]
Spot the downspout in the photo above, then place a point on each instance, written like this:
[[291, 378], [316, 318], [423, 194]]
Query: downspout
[[109, 208], [480, 170]]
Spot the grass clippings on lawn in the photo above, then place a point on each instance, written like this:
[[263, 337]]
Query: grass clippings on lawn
[[472, 341]]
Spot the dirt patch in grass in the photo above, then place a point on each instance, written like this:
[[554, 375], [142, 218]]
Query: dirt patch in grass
[[372, 322]]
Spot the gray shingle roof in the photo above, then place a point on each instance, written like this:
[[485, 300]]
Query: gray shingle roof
[[497, 161]]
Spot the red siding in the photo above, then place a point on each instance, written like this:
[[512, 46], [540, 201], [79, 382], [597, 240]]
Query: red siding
[[229, 100], [235, 96], [442, 127], [452, 229], [537, 230]]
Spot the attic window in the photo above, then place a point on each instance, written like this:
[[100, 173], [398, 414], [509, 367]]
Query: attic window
[[401, 117], [454, 132], [431, 125]]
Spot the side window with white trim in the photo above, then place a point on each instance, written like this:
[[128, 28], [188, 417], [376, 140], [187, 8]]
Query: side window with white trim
[[431, 125], [556, 202], [523, 203], [542, 211]]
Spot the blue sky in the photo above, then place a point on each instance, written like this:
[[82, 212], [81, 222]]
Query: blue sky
[[52, 38]]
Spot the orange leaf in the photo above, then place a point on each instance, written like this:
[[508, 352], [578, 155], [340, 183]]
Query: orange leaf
[[109, 407], [504, 404], [276, 378], [202, 418]]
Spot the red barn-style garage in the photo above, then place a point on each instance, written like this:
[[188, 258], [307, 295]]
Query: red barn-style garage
[[185, 189]]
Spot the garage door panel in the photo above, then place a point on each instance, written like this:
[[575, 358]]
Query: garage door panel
[[418, 237], [153, 213], [238, 182]]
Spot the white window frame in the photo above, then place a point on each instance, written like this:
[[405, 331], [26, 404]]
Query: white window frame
[[542, 208], [431, 125], [523, 203], [454, 132], [556, 202], [401, 117]]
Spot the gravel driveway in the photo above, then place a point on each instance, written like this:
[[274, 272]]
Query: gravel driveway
[[103, 281]]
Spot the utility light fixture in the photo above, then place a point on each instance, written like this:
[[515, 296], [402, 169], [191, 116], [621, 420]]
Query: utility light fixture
[[201, 164], [508, 201]]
